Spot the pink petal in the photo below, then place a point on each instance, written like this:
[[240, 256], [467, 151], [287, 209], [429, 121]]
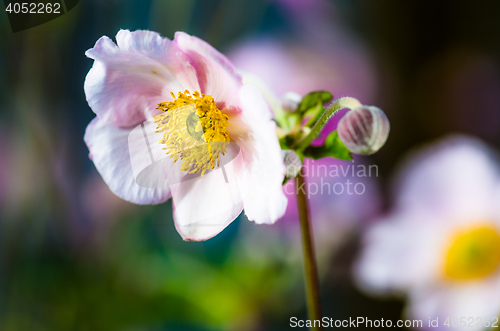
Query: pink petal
[[264, 201], [204, 206], [127, 81], [475, 299], [109, 149], [395, 257], [216, 75], [457, 179]]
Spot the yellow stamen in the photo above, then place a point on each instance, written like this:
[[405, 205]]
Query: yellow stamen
[[194, 130], [474, 253]]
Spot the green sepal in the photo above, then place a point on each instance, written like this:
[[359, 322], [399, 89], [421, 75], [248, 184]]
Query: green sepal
[[312, 100], [331, 147], [286, 142], [301, 156]]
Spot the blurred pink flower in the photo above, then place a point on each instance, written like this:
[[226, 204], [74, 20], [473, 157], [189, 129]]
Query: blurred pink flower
[[324, 56], [303, 68], [440, 246], [6, 152], [103, 209], [100, 204], [341, 195], [124, 87]]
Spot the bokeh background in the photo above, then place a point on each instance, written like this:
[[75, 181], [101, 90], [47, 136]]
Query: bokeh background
[[75, 257]]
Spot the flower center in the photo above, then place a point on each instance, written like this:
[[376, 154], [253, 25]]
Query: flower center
[[474, 253], [194, 131]]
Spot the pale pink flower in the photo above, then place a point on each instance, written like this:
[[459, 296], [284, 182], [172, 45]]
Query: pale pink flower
[[125, 85], [440, 246]]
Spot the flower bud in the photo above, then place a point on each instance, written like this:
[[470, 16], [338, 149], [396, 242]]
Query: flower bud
[[364, 130], [290, 101], [292, 163]]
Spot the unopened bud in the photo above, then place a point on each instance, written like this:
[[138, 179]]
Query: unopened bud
[[290, 101], [292, 163], [364, 130]]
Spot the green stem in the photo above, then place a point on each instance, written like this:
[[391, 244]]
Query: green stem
[[337, 105], [310, 267]]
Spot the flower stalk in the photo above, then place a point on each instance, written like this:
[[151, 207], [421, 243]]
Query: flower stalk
[[346, 102], [310, 265], [296, 139]]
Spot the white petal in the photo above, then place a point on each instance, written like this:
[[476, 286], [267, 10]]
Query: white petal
[[204, 206], [127, 81], [109, 149], [265, 201]]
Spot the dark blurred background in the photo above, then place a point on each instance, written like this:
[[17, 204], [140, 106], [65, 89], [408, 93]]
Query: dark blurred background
[[75, 257]]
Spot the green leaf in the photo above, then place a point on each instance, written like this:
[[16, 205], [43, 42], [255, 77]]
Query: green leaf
[[332, 147], [312, 100]]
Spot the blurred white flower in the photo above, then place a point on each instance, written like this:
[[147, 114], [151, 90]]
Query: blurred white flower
[[440, 246]]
